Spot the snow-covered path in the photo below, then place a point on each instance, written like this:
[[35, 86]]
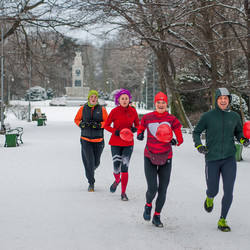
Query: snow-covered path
[[45, 203]]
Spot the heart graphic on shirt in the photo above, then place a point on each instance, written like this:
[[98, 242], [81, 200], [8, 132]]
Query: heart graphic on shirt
[[154, 126]]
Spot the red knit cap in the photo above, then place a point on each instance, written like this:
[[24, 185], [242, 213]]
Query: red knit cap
[[161, 96]]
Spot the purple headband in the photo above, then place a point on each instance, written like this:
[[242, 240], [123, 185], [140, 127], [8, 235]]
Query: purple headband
[[121, 92]]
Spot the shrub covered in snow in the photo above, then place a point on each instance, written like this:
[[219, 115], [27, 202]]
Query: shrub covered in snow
[[235, 104], [36, 93], [19, 111], [104, 95], [59, 101]]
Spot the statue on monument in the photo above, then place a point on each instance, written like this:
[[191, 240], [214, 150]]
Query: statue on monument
[[77, 71]]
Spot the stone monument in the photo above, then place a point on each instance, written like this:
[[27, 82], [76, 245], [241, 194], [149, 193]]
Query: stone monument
[[79, 89]]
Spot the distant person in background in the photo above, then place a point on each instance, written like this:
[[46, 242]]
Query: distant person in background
[[131, 104], [90, 118], [123, 116], [158, 156], [221, 125]]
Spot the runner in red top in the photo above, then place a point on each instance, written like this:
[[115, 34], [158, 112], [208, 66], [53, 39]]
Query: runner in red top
[[123, 116], [158, 155]]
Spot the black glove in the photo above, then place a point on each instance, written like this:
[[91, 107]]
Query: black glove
[[117, 132], [140, 137], [173, 142], [202, 149], [244, 141], [96, 125], [83, 124], [133, 129]]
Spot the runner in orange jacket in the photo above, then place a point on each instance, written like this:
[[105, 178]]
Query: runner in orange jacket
[[91, 118]]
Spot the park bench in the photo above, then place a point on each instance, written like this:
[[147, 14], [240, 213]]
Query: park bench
[[39, 117], [13, 136]]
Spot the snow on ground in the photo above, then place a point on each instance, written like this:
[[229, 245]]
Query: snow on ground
[[45, 203]]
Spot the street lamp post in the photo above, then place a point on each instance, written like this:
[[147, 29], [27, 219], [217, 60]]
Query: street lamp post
[[145, 79], [153, 81], [10, 79], [2, 74], [109, 81], [46, 80], [29, 113]]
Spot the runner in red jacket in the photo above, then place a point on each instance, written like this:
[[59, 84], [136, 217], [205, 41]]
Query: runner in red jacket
[[123, 116], [158, 174]]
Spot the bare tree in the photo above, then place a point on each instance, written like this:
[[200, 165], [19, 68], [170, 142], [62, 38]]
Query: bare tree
[[212, 35], [124, 63], [43, 14], [151, 21]]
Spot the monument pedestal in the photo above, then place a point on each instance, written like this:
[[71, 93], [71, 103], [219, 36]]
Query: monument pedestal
[[76, 96], [78, 92]]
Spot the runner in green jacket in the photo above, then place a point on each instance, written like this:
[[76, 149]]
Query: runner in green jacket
[[221, 126]]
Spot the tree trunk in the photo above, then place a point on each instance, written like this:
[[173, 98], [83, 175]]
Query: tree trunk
[[167, 83], [247, 11], [241, 109]]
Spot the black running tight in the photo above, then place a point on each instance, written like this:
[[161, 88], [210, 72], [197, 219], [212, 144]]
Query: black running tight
[[227, 169], [158, 178], [121, 158], [91, 154]]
